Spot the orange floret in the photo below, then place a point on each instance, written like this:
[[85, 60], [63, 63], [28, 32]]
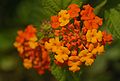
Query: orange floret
[[94, 36], [64, 17], [107, 38], [62, 54], [87, 13], [54, 21], [74, 10], [74, 63]]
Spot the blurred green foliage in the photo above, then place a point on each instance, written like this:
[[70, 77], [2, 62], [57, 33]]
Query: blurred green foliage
[[16, 14]]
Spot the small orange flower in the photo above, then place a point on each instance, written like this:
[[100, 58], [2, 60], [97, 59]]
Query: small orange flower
[[32, 44], [100, 49], [89, 24], [86, 57], [19, 47], [64, 17], [98, 20], [30, 29], [62, 54], [77, 23], [107, 38], [90, 47], [57, 32], [74, 53], [20, 38], [87, 13], [74, 10], [94, 36], [53, 44], [89, 61], [74, 63], [27, 63], [93, 23], [54, 22], [29, 32]]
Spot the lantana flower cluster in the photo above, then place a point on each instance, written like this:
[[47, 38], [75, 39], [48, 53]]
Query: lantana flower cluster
[[32, 52], [76, 40]]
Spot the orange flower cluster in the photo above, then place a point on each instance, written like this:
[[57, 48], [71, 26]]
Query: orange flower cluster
[[74, 39], [34, 54], [77, 38], [64, 16], [90, 20]]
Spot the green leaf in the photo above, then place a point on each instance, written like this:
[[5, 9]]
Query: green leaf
[[58, 72], [112, 21], [30, 11], [54, 6], [63, 74]]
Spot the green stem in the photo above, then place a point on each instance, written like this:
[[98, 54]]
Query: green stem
[[99, 7]]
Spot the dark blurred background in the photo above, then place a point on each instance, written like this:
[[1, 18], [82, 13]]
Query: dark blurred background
[[16, 14]]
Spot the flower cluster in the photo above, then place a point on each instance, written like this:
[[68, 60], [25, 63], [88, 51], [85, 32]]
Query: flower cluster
[[73, 38], [33, 53], [77, 39]]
